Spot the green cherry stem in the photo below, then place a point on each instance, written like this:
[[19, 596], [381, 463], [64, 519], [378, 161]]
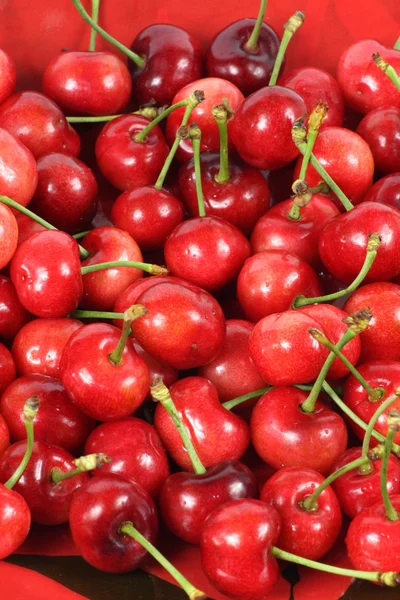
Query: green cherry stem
[[95, 17], [374, 241], [138, 60], [315, 120], [160, 393], [83, 464], [147, 267], [397, 44], [222, 114], [131, 314], [194, 132], [146, 111], [141, 136], [393, 421], [95, 314], [31, 408], [290, 28], [390, 579], [241, 399], [387, 69], [251, 46], [193, 593], [80, 235]]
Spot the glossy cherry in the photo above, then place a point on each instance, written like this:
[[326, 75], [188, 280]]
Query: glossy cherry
[[12, 314], [386, 191], [157, 369], [7, 368], [18, 173], [27, 227], [15, 520], [9, 235], [4, 436], [8, 75], [380, 128]]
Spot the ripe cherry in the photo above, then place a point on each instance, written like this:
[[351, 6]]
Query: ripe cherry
[[8, 235], [386, 191], [380, 128], [18, 173], [12, 314], [8, 75], [7, 368]]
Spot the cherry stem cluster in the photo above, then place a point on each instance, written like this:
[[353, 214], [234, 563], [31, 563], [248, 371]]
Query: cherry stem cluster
[[290, 28], [31, 408]]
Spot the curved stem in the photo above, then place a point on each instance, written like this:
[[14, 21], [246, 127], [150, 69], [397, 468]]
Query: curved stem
[[31, 408], [160, 393], [221, 116], [138, 60], [95, 17], [83, 464], [241, 399], [291, 27], [147, 267], [251, 46], [393, 427], [387, 69], [95, 314], [370, 428], [134, 312], [193, 593], [141, 136]]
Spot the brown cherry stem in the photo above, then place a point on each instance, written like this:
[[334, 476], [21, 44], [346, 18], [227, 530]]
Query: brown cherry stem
[[301, 197], [83, 464], [290, 29], [131, 314], [31, 408]]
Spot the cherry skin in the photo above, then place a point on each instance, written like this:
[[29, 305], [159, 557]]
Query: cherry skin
[[102, 288], [246, 568], [66, 192], [157, 369], [173, 59], [7, 368], [12, 314], [379, 341], [386, 191], [187, 499], [184, 327], [316, 85], [4, 436], [262, 128], [215, 90], [380, 128], [99, 509], [275, 230], [206, 251], [8, 75], [307, 533], [88, 83], [125, 162], [343, 243], [8, 235], [232, 372], [363, 84], [285, 436], [136, 450], [241, 200], [48, 502], [228, 58], [270, 281], [59, 421], [38, 346], [216, 433], [15, 520], [39, 123], [27, 227], [356, 490], [102, 390], [373, 541], [18, 173], [45, 271]]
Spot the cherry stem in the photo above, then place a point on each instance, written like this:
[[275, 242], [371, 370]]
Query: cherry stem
[[393, 421], [371, 425], [390, 578], [290, 28], [131, 314], [127, 528], [374, 241], [221, 114], [147, 267], [95, 314], [83, 464], [151, 112], [191, 102], [241, 399], [138, 60], [160, 393], [387, 69], [31, 408], [355, 418], [25, 211], [95, 17], [141, 136], [397, 44], [81, 234], [195, 136], [302, 196], [251, 46]]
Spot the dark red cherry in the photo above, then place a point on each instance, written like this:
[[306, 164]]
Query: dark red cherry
[[157, 369], [386, 191], [15, 519], [4, 436], [7, 368], [9, 235], [8, 75], [18, 173], [380, 128], [12, 314]]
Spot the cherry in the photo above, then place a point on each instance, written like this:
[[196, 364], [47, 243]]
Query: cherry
[[7, 368], [8, 235], [38, 346], [59, 421], [18, 173], [270, 281], [184, 326], [386, 191], [8, 75], [187, 499], [4, 436], [66, 192], [157, 369], [12, 314], [88, 83], [316, 85], [45, 271], [307, 532], [232, 372], [261, 129], [15, 520], [380, 128], [27, 227], [38, 123], [363, 84], [275, 230]]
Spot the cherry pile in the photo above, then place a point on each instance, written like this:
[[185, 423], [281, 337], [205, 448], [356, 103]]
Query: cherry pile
[[133, 392]]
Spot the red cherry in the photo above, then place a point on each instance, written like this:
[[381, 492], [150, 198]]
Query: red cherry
[[316, 85], [15, 519], [4, 436], [137, 453], [386, 191], [270, 281], [261, 129], [380, 128], [7, 369], [18, 173], [307, 533], [364, 85], [285, 436], [216, 433], [27, 227], [39, 123], [157, 369], [160, 79], [8, 75], [215, 90], [46, 273], [12, 314], [8, 235], [125, 162], [88, 83]]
